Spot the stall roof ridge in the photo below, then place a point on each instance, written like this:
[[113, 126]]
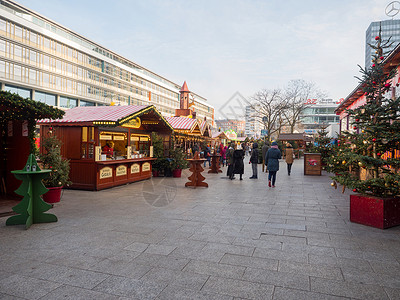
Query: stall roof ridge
[[98, 113], [181, 123]]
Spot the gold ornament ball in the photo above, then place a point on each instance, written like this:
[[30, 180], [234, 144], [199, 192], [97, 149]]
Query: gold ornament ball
[[344, 162], [360, 164], [332, 184]]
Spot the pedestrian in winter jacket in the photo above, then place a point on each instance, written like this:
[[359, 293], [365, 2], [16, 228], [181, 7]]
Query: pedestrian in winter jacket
[[272, 162], [254, 160], [289, 157]]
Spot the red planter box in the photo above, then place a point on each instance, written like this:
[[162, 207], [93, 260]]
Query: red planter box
[[53, 195], [374, 211], [177, 173]]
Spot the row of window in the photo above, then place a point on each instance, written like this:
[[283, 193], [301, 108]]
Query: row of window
[[59, 66], [72, 37], [319, 119], [49, 99], [63, 52]]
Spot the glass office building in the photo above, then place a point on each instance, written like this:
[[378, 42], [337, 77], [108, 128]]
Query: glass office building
[[47, 62], [390, 28], [319, 115]]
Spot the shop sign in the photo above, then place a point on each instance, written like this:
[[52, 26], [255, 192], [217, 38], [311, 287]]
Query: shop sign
[[106, 172], [231, 134], [25, 128], [119, 137], [144, 139], [106, 137], [134, 138], [133, 123], [10, 128], [146, 167], [121, 170], [135, 168]]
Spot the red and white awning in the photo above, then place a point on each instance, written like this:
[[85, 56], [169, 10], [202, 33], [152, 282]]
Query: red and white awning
[[97, 113], [182, 123]]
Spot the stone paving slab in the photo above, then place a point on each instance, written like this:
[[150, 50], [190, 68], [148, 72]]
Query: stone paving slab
[[233, 240]]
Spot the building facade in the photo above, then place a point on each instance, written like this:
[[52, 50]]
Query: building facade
[[237, 126], [390, 28], [254, 123], [44, 61], [318, 114]]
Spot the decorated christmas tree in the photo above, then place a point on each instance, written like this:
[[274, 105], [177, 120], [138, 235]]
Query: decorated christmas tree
[[367, 158], [322, 144], [52, 160]]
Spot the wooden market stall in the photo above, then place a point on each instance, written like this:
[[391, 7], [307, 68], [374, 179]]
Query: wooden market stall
[[109, 145], [17, 136], [186, 130], [297, 140]]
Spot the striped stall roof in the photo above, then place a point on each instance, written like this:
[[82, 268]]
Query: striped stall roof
[[181, 123], [97, 113]]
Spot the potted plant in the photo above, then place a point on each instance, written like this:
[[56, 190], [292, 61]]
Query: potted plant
[[366, 160], [51, 159], [178, 161], [158, 165]]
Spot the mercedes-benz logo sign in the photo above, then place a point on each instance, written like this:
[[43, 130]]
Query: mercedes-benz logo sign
[[392, 9]]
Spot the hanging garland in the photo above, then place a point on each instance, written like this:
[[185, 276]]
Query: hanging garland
[[15, 108]]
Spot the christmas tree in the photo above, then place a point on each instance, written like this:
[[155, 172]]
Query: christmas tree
[[322, 144], [52, 160], [367, 158]]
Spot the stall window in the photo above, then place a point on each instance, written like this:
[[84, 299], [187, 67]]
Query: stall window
[[87, 144], [140, 144], [113, 144]]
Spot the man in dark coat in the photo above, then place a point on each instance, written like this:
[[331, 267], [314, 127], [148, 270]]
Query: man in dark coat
[[272, 162], [238, 165], [229, 161], [254, 160]]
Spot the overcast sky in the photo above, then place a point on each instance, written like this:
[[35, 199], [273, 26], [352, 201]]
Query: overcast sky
[[228, 46]]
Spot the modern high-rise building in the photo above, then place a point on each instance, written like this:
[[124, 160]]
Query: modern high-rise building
[[254, 123], [390, 28], [45, 61], [319, 114]]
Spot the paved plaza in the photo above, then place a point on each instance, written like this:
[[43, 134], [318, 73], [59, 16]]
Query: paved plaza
[[236, 239]]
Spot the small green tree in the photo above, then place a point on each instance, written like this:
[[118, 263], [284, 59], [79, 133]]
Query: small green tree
[[51, 159]]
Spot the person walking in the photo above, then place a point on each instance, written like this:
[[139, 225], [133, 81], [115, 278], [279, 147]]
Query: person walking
[[254, 160], [264, 150], [238, 165], [229, 161], [289, 157], [207, 155], [272, 162], [222, 152]]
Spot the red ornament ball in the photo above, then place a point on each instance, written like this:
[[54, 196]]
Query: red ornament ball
[[377, 38], [355, 127], [374, 139], [373, 65], [357, 120], [387, 85], [381, 58], [374, 82], [379, 154], [354, 190]]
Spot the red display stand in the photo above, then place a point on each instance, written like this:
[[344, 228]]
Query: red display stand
[[196, 179], [215, 164], [374, 211]]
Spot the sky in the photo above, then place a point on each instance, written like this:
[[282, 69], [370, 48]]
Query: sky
[[220, 47]]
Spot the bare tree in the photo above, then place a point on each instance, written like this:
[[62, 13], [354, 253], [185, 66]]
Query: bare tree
[[268, 107], [295, 98]]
